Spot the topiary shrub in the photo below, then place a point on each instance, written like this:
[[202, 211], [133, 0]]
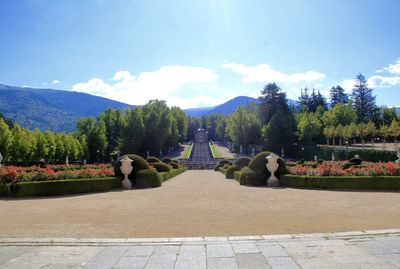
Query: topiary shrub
[[231, 170], [355, 161], [148, 178], [161, 167], [138, 164], [223, 162], [167, 160], [152, 159], [243, 161], [251, 178], [226, 166], [347, 165], [218, 166], [258, 163], [174, 165]]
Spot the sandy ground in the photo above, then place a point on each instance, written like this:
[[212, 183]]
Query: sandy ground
[[199, 203]]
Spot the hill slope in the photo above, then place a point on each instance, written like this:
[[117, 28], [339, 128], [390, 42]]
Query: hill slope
[[51, 109], [225, 109]]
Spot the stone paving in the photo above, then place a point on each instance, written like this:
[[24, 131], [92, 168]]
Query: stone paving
[[362, 249]]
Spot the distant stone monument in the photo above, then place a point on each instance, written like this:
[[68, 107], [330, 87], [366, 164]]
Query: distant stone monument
[[201, 136]]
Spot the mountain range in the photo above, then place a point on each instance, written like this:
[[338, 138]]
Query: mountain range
[[59, 110], [51, 109], [226, 108]]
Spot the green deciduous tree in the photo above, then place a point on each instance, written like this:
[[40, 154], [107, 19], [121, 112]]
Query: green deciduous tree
[[6, 139], [134, 132], [309, 126], [243, 128]]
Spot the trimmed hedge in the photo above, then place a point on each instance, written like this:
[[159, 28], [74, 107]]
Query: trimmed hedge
[[167, 160], [343, 182], [222, 170], [243, 161], [59, 187], [174, 172], [251, 178], [148, 178], [236, 175], [174, 165], [229, 172], [152, 179], [222, 163], [161, 167], [153, 159]]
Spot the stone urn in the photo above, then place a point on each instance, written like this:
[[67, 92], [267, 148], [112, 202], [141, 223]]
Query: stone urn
[[272, 166], [126, 169]]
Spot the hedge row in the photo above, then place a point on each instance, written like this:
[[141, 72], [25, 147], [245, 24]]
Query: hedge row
[[59, 187], [150, 178], [173, 172], [343, 182]]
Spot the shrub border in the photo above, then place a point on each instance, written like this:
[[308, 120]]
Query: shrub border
[[59, 187], [343, 182], [164, 176]]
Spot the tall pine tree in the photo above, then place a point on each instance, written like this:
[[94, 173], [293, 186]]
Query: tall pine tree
[[276, 116], [364, 100], [338, 96]]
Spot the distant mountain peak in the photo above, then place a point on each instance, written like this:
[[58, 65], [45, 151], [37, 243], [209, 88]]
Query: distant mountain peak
[[56, 110], [226, 108]]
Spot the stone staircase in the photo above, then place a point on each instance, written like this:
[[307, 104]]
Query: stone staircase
[[201, 157]]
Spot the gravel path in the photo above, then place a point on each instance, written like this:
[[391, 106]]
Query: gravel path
[[199, 203]]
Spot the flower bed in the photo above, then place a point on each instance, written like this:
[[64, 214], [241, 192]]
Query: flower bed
[[14, 174], [339, 169], [343, 175]]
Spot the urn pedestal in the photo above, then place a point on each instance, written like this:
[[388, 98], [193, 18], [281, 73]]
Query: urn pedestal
[[126, 169], [272, 166]]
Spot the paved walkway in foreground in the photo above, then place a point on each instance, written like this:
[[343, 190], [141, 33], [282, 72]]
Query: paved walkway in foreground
[[370, 249]]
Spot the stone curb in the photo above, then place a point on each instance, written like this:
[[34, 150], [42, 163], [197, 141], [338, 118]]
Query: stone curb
[[191, 240]]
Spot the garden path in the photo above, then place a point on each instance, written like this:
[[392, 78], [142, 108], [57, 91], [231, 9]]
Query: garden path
[[198, 203]]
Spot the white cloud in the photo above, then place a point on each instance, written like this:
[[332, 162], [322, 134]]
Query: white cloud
[[382, 81], [55, 82], [393, 68], [348, 84], [158, 84], [374, 81], [264, 73]]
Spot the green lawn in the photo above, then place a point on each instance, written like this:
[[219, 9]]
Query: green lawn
[[215, 151], [186, 153]]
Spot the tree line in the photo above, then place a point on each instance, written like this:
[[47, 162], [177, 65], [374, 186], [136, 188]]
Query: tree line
[[156, 129], [153, 128], [274, 122]]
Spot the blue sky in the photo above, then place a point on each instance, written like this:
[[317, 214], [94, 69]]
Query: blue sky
[[201, 52]]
